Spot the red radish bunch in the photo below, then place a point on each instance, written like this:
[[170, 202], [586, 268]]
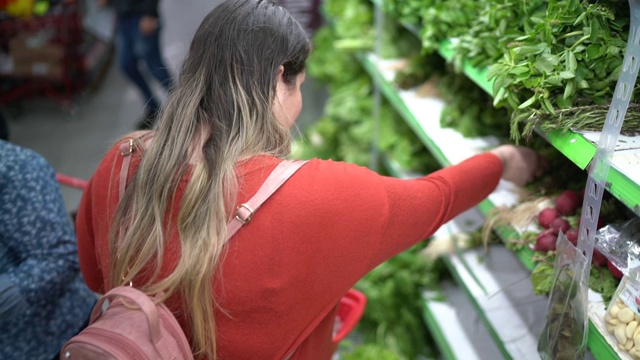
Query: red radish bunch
[[567, 202], [546, 240], [614, 270], [598, 259], [547, 216], [552, 219]]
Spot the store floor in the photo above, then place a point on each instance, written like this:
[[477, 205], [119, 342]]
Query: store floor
[[75, 142]]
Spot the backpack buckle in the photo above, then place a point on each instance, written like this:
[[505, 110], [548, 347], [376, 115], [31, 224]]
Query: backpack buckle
[[244, 213]]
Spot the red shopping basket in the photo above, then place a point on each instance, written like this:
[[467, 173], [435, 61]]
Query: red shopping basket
[[71, 181], [349, 313]]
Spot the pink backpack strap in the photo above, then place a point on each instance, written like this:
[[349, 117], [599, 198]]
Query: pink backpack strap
[[245, 212], [126, 149]]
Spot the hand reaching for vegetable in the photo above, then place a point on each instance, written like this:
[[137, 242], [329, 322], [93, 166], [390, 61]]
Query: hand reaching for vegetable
[[520, 164]]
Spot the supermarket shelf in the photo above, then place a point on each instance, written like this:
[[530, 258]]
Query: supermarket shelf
[[498, 288], [447, 145], [455, 326], [623, 181]]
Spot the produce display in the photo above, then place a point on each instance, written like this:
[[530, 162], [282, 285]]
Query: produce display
[[553, 65]]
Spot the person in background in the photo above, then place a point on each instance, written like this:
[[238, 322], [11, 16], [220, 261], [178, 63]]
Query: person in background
[[43, 298], [272, 291], [137, 40]]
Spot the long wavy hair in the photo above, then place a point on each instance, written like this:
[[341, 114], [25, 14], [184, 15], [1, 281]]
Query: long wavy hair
[[219, 113]]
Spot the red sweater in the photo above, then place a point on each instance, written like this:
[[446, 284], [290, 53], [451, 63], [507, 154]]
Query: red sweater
[[286, 271]]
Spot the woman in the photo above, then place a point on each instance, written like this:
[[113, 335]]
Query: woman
[[43, 299], [272, 292]]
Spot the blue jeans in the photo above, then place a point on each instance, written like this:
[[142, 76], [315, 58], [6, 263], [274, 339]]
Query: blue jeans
[[133, 47]]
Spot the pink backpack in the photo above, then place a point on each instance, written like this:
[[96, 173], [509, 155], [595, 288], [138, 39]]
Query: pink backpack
[[133, 326]]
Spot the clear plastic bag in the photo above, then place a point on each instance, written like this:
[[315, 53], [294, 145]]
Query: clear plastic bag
[[620, 243], [564, 336], [622, 319]]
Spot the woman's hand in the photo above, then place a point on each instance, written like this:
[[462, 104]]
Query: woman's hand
[[520, 164]]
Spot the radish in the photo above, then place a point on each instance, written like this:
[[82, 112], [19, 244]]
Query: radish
[[598, 259], [572, 236], [560, 224], [567, 202], [546, 241], [614, 270], [547, 216]]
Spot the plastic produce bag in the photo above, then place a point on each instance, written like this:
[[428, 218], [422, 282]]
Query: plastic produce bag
[[620, 243], [564, 335], [623, 315]]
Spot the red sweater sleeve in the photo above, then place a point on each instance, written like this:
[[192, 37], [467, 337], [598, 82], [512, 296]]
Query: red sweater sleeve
[[417, 208]]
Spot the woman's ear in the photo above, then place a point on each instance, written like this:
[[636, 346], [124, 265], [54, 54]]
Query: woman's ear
[[280, 73]]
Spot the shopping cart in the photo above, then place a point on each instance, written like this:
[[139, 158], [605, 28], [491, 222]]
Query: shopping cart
[[350, 311], [71, 181]]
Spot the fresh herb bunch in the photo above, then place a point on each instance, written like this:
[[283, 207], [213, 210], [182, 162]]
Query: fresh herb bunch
[[445, 19], [407, 12], [396, 41], [569, 54], [329, 66], [469, 109], [498, 23], [394, 293], [419, 69], [352, 22], [584, 118]]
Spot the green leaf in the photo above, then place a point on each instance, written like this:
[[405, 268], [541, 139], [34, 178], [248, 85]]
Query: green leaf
[[546, 63], [569, 89], [530, 50], [570, 61], [567, 74], [494, 71], [546, 104], [595, 51], [553, 80], [596, 30], [542, 279], [519, 70], [501, 94], [528, 103]]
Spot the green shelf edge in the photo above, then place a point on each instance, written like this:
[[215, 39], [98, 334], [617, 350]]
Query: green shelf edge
[[598, 345], [479, 76], [392, 96], [479, 310], [434, 328]]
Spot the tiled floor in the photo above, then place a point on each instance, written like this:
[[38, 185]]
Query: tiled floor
[[74, 143]]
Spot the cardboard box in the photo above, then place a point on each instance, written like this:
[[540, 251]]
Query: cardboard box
[[35, 46], [46, 69]]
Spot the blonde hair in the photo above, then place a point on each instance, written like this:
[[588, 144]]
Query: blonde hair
[[223, 101]]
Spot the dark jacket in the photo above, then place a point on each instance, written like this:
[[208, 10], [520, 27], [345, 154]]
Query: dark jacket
[[135, 7]]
